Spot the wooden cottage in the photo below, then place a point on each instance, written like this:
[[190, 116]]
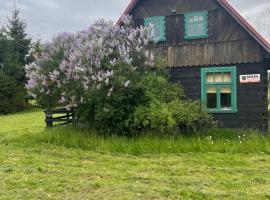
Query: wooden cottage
[[215, 53]]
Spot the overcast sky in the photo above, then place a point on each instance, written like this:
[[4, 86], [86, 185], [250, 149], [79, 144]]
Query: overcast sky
[[46, 18]]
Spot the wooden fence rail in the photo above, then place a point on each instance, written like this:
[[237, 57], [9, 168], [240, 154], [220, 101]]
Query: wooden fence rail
[[67, 116]]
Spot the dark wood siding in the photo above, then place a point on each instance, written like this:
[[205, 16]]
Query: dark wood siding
[[148, 8], [227, 43], [251, 98], [245, 51], [266, 60]]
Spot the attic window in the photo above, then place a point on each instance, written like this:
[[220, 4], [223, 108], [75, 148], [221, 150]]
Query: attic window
[[196, 25], [158, 23]]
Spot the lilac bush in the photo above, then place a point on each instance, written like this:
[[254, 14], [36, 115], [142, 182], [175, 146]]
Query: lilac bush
[[72, 66], [108, 73]]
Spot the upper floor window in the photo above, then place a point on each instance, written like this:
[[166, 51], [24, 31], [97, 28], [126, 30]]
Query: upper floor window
[[218, 87], [158, 23], [196, 25]]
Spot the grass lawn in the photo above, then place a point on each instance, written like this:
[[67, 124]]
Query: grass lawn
[[38, 164]]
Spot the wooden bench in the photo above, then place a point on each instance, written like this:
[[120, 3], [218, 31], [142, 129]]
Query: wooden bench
[[68, 116]]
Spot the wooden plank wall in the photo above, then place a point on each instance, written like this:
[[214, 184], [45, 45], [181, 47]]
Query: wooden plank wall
[[251, 98], [148, 8], [228, 42], [233, 52]]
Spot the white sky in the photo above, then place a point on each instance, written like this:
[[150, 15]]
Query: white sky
[[46, 18]]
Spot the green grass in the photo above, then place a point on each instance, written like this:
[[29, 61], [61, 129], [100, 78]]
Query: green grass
[[67, 163], [219, 141]]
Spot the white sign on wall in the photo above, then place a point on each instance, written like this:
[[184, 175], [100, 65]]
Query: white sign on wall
[[250, 78]]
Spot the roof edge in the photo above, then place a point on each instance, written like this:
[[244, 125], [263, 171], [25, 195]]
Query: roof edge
[[245, 24], [130, 6]]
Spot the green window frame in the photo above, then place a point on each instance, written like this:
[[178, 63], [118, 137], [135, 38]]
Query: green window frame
[[159, 21], [219, 89], [196, 20]]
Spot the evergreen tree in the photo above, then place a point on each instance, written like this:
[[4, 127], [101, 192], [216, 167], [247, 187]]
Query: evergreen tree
[[15, 49], [16, 30], [19, 46], [9, 61], [11, 95]]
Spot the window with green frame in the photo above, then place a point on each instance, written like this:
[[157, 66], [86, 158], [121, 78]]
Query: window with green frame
[[218, 89], [196, 25], [158, 23]]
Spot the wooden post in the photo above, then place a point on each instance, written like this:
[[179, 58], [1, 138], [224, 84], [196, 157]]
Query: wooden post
[[68, 116], [48, 120], [73, 116]]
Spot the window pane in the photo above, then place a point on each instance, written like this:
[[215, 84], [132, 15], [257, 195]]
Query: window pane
[[156, 30], [191, 20], [211, 95], [226, 98], [196, 29], [218, 77], [200, 18], [227, 77], [210, 78]]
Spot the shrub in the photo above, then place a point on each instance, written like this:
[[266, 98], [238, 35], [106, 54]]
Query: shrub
[[107, 72], [190, 116], [12, 97], [155, 116], [72, 67], [111, 114], [152, 103], [168, 110]]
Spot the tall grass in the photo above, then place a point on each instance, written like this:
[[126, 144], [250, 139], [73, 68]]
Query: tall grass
[[218, 140]]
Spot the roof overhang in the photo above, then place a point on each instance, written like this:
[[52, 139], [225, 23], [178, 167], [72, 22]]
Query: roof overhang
[[245, 24], [232, 11], [127, 11]]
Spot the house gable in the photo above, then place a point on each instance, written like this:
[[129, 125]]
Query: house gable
[[227, 42]]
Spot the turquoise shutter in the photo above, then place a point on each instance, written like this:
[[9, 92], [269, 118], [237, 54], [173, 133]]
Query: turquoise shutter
[[159, 27]]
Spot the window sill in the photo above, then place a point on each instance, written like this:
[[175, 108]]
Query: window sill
[[157, 41], [196, 37], [222, 111]]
